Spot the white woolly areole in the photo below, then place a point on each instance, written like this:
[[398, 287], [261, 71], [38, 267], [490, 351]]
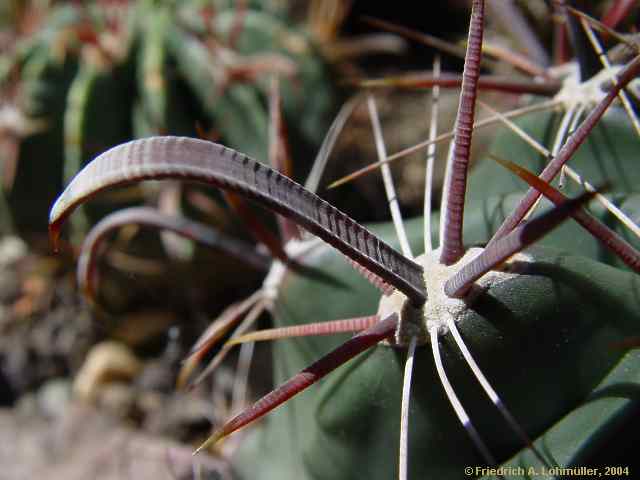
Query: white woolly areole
[[575, 92], [439, 308]]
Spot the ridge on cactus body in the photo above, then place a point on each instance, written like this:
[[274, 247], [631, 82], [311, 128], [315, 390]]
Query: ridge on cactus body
[[513, 343]]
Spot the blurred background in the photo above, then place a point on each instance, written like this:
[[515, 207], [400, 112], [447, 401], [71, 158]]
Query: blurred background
[[88, 389]]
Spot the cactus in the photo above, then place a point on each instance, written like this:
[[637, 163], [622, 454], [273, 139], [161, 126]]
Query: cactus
[[99, 74], [541, 324]]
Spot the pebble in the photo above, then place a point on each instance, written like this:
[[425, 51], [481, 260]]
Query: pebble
[[53, 397], [106, 362]]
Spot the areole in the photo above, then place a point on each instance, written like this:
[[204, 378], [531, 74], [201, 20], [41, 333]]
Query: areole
[[440, 309]]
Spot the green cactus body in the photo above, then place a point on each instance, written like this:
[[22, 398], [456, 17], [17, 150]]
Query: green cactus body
[[97, 116], [164, 102], [239, 113], [310, 75], [151, 76], [41, 159], [545, 339]]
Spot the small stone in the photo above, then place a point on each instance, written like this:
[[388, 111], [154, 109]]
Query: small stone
[[53, 397], [12, 249], [106, 362]]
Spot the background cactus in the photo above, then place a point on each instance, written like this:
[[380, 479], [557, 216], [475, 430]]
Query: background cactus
[[97, 74]]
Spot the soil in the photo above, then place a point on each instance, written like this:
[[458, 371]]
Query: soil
[[85, 395]]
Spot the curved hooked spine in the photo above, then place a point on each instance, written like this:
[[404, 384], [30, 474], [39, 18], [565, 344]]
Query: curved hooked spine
[[207, 162], [151, 217]]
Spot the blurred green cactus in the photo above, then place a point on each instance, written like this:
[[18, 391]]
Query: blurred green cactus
[[95, 75]]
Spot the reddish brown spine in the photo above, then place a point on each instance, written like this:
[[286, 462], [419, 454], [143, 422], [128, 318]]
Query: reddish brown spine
[[452, 246]]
